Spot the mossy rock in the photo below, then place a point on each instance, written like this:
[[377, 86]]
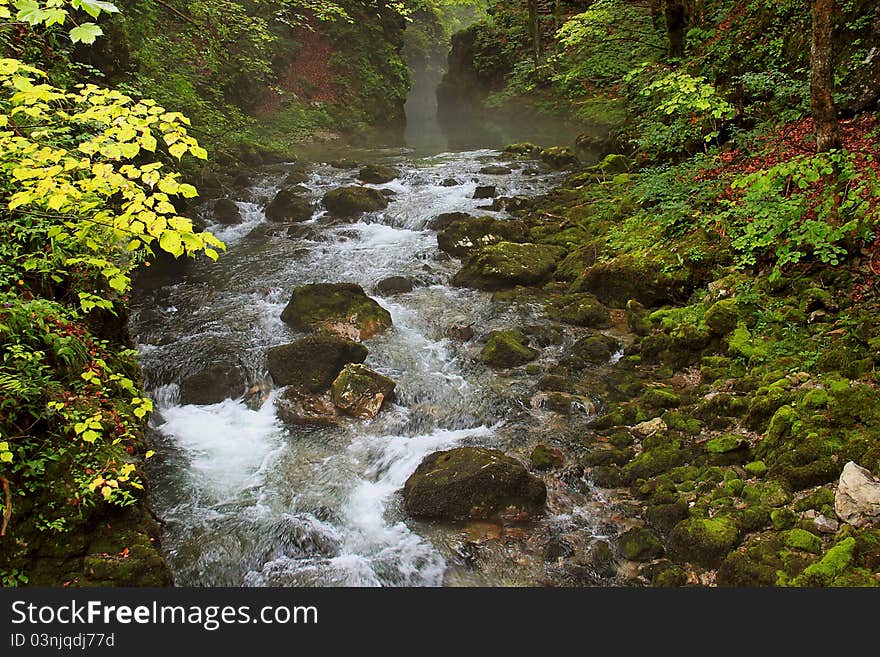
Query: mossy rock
[[672, 576], [544, 457], [314, 362], [608, 456], [769, 493], [567, 404], [463, 237], [523, 149], [743, 344], [722, 317], [360, 392], [288, 205], [727, 443], [757, 564], [704, 541], [473, 483], [594, 349], [612, 164], [665, 516], [342, 309], [213, 384], [756, 468], [298, 407], [506, 349], [576, 263], [378, 174], [682, 422], [446, 219], [639, 544], [801, 539], [783, 518], [506, 265], [660, 398], [815, 500], [579, 310], [616, 281], [637, 318], [559, 157], [353, 200], [832, 565], [227, 212], [652, 462]]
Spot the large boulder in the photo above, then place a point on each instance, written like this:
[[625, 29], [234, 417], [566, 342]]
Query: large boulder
[[226, 211], [314, 362], [352, 200], [506, 349], [289, 205], [442, 221], [704, 541], [616, 281], [484, 191], [298, 407], [377, 174], [559, 157], [506, 265], [360, 392], [212, 385], [473, 483], [580, 310], [523, 149], [341, 309], [464, 236], [394, 285], [857, 500]]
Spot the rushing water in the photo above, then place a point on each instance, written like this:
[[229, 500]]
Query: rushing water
[[245, 500]]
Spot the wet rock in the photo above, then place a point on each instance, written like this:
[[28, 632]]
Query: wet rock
[[496, 170], [616, 281], [558, 548], [300, 408], [360, 392], [857, 501], [464, 236], [503, 203], [442, 221], [639, 544], [506, 349], [704, 541], [212, 385], [523, 149], [637, 318], [394, 285], [486, 191], [343, 163], [580, 310], [567, 404], [378, 174], [449, 182], [456, 332], [341, 309], [297, 177], [473, 483], [559, 157], [544, 457], [227, 212], [288, 205], [352, 200], [505, 265], [314, 362], [543, 335], [594, 350]]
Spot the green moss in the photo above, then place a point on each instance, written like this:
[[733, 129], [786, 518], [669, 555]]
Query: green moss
[[660, 398], [722, 317], [741, 343], [682, 422], [831, 566], [672, 576], [756, 468], [505, 265], [803, 540], [546, 458], [506, 349], [815, 500], [783, 518], [705, 541], [580, 310], [726, 443], [770, 493], [639, 544]]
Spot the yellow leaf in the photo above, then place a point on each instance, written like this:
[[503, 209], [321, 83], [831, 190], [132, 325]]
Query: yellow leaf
[[177, 150]]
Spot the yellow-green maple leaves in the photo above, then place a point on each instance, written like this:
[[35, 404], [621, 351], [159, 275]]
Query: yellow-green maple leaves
[[82, 158]]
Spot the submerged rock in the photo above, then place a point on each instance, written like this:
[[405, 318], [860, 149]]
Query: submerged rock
[[360, 392], [857, 500], [227, 211], [352, 200], [506, 265], [341, 309], [289, 205], [394, 285], [313, 363], [212, 385], [378, 174], [473, 483], [297, 407], [449, 182], [506, 349], [496, 170], [486, 191], [546, 458], [464, 236]]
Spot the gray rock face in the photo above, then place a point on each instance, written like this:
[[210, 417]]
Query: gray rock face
[[857, 500], [227, 212], [212, 385], [313, 363]]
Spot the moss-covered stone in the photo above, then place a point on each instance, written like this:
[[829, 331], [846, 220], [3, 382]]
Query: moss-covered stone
[[835, 561], [475, 483], [704, 541], [770, 493], [639, 544], [661, 398], [505, 265], [360, 392], [559, 157], [616, 281], [682, 422], [670, 577], [783, 518], [729, 442], [756, 468], [378, 174], [544, 457], [314, 362], [523, 149], [506, 349], [722, 317], [289, 205], [353, 200], [743, 344], [803, 540], [463, 237], [580, 310], [594, 350], [341, 309]]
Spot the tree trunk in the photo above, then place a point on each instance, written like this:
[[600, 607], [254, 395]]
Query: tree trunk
[[535, 30], [676, 25], [822, 76]]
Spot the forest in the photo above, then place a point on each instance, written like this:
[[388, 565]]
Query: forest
[[374, 293]]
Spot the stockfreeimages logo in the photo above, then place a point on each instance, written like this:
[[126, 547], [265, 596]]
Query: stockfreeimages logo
[[209, 617]]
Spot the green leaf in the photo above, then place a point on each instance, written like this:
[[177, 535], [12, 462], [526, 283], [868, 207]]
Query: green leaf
[[85, 33], [94, 7]]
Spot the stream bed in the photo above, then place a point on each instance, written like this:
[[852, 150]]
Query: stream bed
[[246, 501]]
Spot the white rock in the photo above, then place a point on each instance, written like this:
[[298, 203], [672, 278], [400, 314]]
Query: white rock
[[649, 428], [826, 525], [857, 500]]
